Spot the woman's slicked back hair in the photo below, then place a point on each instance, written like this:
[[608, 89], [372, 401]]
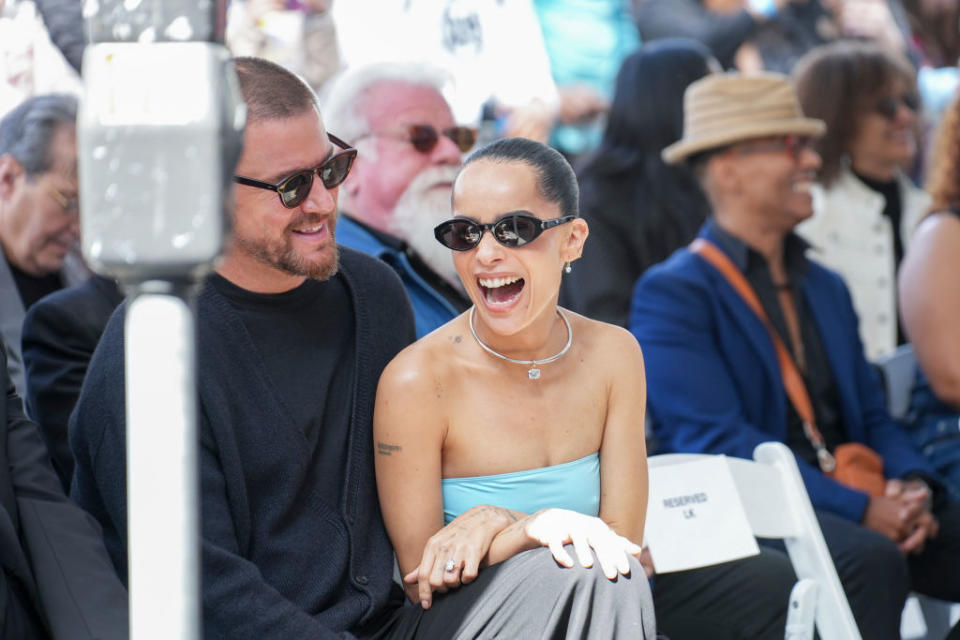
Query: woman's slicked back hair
[[556, 180]]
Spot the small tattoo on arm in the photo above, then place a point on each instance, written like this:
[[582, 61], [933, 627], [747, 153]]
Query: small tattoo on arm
[[385, 449]]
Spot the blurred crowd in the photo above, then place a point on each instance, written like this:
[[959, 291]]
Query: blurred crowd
[[533, 67], [813, 144]]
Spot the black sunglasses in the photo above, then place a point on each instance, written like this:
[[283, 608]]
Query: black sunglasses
[[890, 105], [295, 188], [424, 137], [512, 230]]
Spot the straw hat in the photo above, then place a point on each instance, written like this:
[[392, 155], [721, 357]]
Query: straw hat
[[721, 109]]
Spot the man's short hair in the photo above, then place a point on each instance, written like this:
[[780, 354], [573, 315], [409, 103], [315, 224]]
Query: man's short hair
[[272, 92], [26, 133], [343, 107], [556, 180]]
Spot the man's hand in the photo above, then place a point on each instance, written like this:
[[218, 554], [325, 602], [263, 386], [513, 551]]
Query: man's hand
[[909, 490], [915, 500], [902, 514], [460, 546], [886, 516], [554, 528], [925, 526]]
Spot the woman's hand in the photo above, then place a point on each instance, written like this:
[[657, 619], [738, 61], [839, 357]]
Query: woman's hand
[[453, 555], [554, 528]]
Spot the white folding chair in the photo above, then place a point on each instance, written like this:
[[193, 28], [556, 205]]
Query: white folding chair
[[777, 506]]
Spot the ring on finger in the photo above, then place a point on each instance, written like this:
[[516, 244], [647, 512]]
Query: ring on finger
[[451, 566]]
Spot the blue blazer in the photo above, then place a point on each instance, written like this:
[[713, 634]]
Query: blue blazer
[[714, 385]]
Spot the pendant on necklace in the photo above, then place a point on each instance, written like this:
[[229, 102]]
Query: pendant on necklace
[[533, 373]]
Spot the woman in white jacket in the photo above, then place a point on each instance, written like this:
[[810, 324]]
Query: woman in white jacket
[[865, 207]]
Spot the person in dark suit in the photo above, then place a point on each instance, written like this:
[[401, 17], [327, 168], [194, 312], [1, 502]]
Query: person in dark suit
[[60, 333], [57, 580], [723, 324], [39, 213]]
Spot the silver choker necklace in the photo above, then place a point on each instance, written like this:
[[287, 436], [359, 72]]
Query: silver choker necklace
[[533, 372]]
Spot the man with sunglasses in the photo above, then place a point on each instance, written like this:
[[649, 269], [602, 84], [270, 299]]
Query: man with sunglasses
[[409, 151], [39, 212], [292, 338], [747, 340]]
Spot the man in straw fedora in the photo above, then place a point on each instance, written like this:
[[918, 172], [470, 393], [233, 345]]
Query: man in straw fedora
[[747, 340]]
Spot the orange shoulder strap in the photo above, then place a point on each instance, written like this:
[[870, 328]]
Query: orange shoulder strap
[[792, 380]]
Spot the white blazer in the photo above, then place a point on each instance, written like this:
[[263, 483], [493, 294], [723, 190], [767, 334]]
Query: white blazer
[[849, 234]]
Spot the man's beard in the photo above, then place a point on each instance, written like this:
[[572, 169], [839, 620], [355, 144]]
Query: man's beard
[[418, 210], [280, 254]]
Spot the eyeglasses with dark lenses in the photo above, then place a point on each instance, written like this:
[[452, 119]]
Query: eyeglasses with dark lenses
[[512, 230], [890, 105], [424, 137], [794, 145], [295, 188]]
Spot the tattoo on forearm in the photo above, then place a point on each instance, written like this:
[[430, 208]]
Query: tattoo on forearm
[[385, 449]]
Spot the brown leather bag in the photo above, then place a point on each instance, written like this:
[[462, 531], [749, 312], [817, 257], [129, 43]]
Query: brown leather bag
[[853, 464], [860, 467]]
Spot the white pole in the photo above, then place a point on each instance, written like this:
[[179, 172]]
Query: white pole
[[162, 504]]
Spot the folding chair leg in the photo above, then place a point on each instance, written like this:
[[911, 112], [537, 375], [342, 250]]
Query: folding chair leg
[[802, 610]]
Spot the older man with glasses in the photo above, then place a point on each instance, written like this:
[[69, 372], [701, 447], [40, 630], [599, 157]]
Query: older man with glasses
[[409, 153], [39, 212], [747, 340]]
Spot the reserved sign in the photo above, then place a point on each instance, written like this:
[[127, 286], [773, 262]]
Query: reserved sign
[[695, 517]]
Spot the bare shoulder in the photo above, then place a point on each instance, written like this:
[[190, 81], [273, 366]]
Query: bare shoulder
[[410, 412], [420, 366], [938, 229], [609, 344], [934, 247]]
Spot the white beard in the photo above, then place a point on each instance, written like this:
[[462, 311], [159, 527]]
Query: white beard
[[418, 210]]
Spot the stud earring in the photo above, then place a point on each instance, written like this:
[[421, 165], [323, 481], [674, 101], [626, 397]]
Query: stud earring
[[567, 268]]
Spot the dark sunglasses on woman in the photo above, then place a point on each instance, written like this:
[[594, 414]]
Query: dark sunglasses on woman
[[295, 188], [512, 230], [424, 137], [890, 105]]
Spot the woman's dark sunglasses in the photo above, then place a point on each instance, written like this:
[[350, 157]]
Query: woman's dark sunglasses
[[424, 137], [890, 105], [512, 230], [295, 188]]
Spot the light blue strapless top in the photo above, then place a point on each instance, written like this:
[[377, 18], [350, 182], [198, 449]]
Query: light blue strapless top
[[572, 485]]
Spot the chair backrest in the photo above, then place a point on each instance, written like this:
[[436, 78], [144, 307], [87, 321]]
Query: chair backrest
[[899, 371], [777, 506]]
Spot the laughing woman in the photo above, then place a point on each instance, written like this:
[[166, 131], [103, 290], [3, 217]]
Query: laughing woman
[[517, 425]]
